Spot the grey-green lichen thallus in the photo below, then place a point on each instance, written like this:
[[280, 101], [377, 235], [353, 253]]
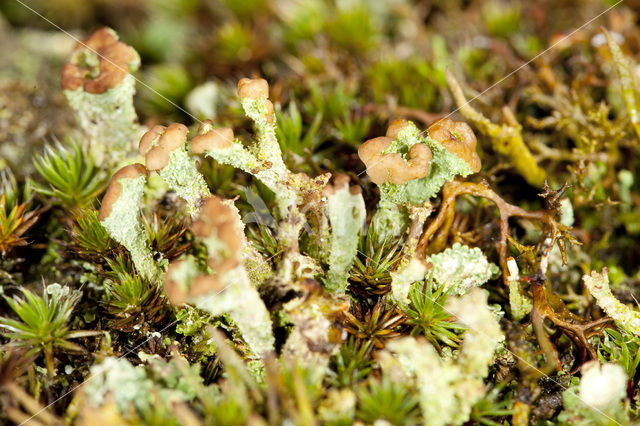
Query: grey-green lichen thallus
[[99, 86]]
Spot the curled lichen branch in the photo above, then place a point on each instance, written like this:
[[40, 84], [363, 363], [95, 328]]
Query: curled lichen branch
[[228, 288], [165, 151]]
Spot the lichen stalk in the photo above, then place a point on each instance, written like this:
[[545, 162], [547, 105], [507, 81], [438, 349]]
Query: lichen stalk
[[124, 226], [184, 178]]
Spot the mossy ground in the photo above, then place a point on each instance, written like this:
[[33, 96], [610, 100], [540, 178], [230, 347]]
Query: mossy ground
[[339, 72]]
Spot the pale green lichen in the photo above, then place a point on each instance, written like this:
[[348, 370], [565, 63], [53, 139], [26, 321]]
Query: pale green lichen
[[263, 159], [483, 334], [444, 167], [185, 272], [273, 175], [602, 385], [117, 378], [338, 407], [520, 305], [598, 399], [623, 315], [237, 298], [314, 315], [124, 225], [129, 386], [418, 216], [257, 267], [184, 178], [242, 302], [567, 217], [109, 120], [204, 99], [625, 183], [390, 220], [460, 267], [449, 388], [267, 147], [190, 320], [347, 214], [237, 156], [233, 292], [401, 280]]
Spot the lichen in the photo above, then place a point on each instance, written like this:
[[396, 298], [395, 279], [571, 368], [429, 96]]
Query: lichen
[[116, 380], [183, 177], [226, 288], [390, 220], [520, 305], [460, 267], [598, 285], [124, 226], [598, 398], [346, 213], [336, 301], [402, 280], [242, 302], [109, 120], [444, 167], [449, 388], [315, 336]]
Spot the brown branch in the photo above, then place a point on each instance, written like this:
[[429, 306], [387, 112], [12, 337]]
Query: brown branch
[[546, 305], [442, 222]]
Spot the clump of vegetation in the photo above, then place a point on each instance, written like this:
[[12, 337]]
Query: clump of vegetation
[[43, 324], [407, 213]]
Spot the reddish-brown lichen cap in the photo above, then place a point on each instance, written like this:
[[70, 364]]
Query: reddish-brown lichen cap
[[221, 219], [147, 140], [340, 181], [396, 127], [458, 138], [253, 88], [114, 61], [158, 143], [209, 138], [115, 188], [391, 167]]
